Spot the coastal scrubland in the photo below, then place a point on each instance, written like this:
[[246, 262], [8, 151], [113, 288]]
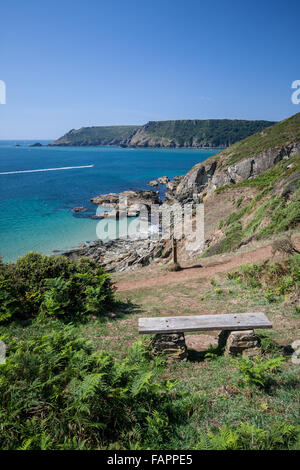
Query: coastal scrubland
[[77, 374], [93, 383]]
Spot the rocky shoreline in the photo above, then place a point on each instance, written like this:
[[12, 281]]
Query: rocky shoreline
[[220, 183], [122, 254], [128, 253], [199, 184]]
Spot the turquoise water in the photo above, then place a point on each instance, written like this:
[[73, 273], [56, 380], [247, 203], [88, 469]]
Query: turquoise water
[[36, 207]]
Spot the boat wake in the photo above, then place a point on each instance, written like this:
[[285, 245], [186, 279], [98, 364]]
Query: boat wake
[[45, 169]]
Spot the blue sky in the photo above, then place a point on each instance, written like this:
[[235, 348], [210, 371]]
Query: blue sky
[[69, 64]]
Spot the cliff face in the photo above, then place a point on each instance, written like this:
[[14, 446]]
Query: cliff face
[[206, 178], [251, 190], [244, 160], [195, 133], [182, 133]]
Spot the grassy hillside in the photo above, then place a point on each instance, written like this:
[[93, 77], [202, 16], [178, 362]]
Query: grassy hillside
[[267, 212], [189, 133], [260, 175], [102, 135], [273, 204], [196, 133], [278, 135]]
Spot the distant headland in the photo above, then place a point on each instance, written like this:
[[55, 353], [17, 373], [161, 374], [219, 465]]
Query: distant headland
[[194, 133]]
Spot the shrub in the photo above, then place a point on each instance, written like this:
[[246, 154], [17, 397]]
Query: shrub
[[257, 371], [76, 398], [55, 286], [268, 344], [278, 279], [249, 437]]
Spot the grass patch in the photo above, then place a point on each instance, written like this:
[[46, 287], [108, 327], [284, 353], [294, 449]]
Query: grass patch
[[279, 213], [277, 135], [54, 396], [276, 280]]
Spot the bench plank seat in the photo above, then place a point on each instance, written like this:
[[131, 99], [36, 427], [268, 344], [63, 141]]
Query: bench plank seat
[[235, 321]]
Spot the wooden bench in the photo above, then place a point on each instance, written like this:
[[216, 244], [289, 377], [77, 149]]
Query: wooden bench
[[232, 322], [170, 331]]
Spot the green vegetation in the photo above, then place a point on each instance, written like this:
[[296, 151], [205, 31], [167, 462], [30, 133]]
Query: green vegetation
[[258, 371], [274, 209], [239, 201], [198, 133], [101, 135], [275, 280], [279, 138], [39, 285], [80, 399], [180, 133], [278, 135], [91, 385], [271, 177], [55, 393], [76, 377], [249, 437]]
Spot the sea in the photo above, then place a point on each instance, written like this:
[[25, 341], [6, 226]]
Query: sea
[[36, 206]]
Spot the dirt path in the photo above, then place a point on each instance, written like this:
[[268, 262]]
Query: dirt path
[[193, 272], [209, 268]]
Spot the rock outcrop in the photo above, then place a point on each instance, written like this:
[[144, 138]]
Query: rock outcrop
[[170, 184], [153, 183], [122, 254], [205, 178], [79, 209], [132, 201]]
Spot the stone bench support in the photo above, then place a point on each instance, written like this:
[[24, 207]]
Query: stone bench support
[[237, 335], [243, 342], [172, 344]]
